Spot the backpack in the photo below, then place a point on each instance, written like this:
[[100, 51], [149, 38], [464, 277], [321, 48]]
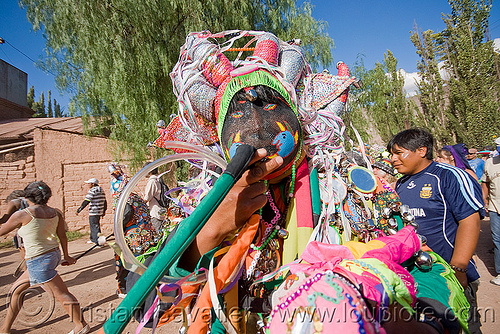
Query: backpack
[[163, 201]]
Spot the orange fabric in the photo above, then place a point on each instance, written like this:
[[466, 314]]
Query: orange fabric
[[223, 271], [175, 311]]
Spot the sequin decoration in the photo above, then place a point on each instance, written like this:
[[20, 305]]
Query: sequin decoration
[[292, 62], [270, 106], [237, 114], [325, 88], [318, 295], [354, 213], [139, 233], [201, 95], [216, 68], [177, 132]]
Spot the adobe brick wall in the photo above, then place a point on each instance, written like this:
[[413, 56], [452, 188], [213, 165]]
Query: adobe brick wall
[[15, 175], [64, 161]]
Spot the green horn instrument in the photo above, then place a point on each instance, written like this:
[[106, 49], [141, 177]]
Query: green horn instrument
[[185, 234]]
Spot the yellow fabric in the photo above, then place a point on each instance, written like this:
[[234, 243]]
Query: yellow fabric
[[298, 237], [358, 249], [231, 299]]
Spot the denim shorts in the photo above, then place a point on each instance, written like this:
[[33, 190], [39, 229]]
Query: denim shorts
[[42, 268]]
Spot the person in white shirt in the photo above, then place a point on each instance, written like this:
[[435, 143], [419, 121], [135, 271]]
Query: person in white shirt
[[151, 195]]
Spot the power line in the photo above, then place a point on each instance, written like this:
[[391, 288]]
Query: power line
[[2, 41]]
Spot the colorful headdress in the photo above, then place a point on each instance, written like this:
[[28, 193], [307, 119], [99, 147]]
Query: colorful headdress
[[385, 164], [205, 80]]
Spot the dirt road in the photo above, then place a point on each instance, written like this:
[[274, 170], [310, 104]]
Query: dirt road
[[92, 281]]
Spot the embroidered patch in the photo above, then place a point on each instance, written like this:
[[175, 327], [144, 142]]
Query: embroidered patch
[[426, 191], [285, 141], [270, 106], [237, 114]]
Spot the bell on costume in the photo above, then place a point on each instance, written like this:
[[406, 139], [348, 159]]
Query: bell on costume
[[282, 233], [404, 209], [386, 212], [423, 261]]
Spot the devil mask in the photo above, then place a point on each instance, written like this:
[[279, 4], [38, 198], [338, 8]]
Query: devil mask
[[260, 116]]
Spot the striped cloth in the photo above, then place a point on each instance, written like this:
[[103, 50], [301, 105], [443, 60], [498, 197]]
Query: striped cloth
[[96, 197]]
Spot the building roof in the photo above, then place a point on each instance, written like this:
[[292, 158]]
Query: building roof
[[22, 129]]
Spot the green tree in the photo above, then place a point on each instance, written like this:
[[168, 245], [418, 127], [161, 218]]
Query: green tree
[[31, 97], [463, 107], [432, 114], [49, 106], [382, 103], [39, 107], [115, 56], [57, 109]]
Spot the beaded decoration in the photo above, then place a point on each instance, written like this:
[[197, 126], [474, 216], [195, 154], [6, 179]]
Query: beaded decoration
[[308, 297]]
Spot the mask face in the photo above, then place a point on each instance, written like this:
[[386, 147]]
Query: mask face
[[267, 122]]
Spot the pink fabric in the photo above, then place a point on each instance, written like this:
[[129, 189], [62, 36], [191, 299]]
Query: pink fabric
[[320, 256], [399, 247], [303, 196], [344, 316]]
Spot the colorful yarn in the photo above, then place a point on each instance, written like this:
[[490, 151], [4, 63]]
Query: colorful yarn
[[216, 68], [267, 48], [293, 63]]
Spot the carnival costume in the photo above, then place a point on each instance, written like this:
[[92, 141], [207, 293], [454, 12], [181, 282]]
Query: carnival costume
[[327, 235]]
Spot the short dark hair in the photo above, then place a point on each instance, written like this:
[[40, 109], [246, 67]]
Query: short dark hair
[[413, 139], [38, 192], [14, 195]]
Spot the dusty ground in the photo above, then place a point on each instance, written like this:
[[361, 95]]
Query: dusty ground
[[92, 281]]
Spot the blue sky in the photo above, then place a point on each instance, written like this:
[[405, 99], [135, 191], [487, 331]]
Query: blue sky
[[367, 27]]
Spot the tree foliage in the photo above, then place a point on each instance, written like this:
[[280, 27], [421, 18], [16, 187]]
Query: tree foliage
[[115, 56], [382, 103], [464, 105], [39, 106]]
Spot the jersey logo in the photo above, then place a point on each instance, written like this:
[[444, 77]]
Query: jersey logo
[[426, 191], [411, 185], [417, 212]]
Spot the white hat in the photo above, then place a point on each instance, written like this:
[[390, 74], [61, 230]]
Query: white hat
[[497, 141], [92, 180]]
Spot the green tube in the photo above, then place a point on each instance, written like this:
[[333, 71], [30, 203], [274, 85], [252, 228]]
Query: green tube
[[185, 234], [183, 237]]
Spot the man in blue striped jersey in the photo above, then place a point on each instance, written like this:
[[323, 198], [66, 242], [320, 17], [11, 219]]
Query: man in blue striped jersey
[[447, 204], [98, 205]]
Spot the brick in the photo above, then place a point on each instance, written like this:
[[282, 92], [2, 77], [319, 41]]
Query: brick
[[16, 177], [17, 173], [31, 158], [29, 170], [8, 168]]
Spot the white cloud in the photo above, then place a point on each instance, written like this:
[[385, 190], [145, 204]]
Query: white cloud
[[411, 80]]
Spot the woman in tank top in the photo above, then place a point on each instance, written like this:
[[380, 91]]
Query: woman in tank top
[[43, 229]]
